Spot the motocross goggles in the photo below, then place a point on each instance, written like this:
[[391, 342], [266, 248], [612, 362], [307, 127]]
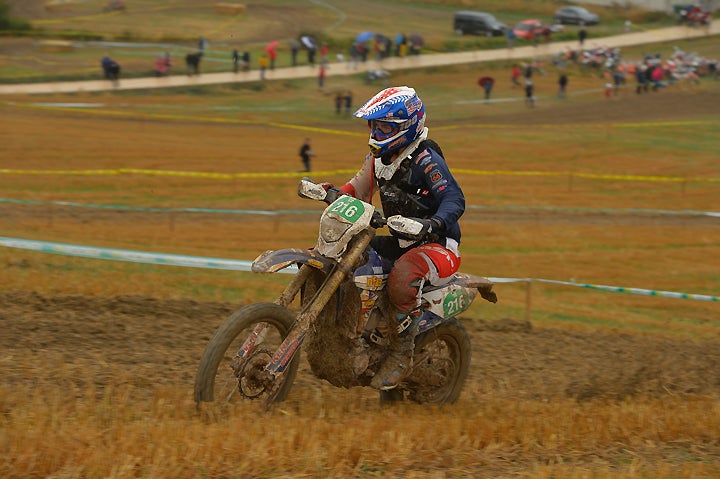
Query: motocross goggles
[[382, 130]]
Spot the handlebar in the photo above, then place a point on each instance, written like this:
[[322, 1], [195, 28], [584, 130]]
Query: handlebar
[[377, 220], [309, 189]]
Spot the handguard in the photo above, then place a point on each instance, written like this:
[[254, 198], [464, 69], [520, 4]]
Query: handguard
[[411, 229], [273, 261]]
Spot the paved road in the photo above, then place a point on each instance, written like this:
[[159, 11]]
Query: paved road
[[526, 52]]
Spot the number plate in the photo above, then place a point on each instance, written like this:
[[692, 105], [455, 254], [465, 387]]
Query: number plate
[[348, 207]]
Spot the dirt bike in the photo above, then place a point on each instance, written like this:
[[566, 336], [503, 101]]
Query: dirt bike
[[254, 355]]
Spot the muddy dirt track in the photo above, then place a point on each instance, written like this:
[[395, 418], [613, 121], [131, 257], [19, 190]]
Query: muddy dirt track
[[149, 342]]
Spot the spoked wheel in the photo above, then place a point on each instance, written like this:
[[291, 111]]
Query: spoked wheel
[[442, 364], [232, 368]]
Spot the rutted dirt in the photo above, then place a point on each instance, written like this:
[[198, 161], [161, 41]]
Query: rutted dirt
[[149, 342]]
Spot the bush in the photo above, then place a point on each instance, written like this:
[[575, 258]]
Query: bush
[[9, 23]]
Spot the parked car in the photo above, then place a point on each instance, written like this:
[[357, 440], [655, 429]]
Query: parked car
[[576, 16], [529, 29], [478, 23]]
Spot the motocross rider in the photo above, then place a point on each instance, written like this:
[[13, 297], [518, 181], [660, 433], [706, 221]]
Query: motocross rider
[[414, 182]]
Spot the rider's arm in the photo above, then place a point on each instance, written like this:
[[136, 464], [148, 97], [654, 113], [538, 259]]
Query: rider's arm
[[362, 185], [436, 175]]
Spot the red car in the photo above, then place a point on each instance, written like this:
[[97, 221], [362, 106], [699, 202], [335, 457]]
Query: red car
[[533, 28]]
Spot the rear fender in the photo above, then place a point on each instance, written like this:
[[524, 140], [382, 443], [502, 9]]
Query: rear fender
[[273, 261], [483, 285]]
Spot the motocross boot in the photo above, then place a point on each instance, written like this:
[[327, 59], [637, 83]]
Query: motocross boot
[[398, 363]]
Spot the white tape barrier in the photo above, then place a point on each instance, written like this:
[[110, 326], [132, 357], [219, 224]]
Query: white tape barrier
[[244, 265], [127, 255]]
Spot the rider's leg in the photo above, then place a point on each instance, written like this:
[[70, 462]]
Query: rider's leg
[[430, 262]]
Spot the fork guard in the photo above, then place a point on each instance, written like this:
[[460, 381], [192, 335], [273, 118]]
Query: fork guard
[[272, 261]]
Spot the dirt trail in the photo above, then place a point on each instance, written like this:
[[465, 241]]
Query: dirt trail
[[149, 342]]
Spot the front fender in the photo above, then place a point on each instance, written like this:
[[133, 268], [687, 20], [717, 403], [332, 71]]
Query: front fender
[[273, 261]]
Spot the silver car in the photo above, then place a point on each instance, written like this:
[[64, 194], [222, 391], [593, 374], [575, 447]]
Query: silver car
[[576, 16]]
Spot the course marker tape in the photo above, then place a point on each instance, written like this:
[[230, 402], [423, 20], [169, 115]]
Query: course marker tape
[[161, 210], [503, 126], [459, 171], [245, 265], [126, 255], [316, 212]]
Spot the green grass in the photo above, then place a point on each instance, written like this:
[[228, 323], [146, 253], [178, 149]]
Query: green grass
[[175, 26]]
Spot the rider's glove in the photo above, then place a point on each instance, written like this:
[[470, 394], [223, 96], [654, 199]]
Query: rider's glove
[[413, 229]]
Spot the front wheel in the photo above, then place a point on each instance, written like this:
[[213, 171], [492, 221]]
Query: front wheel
[[442, 364], [227, 376]]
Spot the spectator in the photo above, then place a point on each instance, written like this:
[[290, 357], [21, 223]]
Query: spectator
[[400, 40], [562, 85], [294, 49], [321, 75], [712, 69], [306, 153], [235, 60], [272, 54], [618, 79], [640, 79], [403, 50], [528, 70], [192, 62], [486, 83], [608, 89], [311, 55], [529, 93], [338, 102], [657, 78], [379, 49], [648, 77], [582, 35], [168, 62], [510, 37], [546, 32], [246, 61], [354, 55], [515, 75], [111, 69], [348, 102], [362, 49], [324, 50], [160, 66], [263, 63]]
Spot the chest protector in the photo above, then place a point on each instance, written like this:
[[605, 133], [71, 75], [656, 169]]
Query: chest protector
[[400, 196]]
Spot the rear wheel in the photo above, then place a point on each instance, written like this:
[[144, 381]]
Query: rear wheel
[[227, 377], [442, 364]]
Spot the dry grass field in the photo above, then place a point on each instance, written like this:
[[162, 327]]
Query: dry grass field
[[97, 357]]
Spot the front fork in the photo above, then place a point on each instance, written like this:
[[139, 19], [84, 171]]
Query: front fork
[[283, 356], [310, 311]]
